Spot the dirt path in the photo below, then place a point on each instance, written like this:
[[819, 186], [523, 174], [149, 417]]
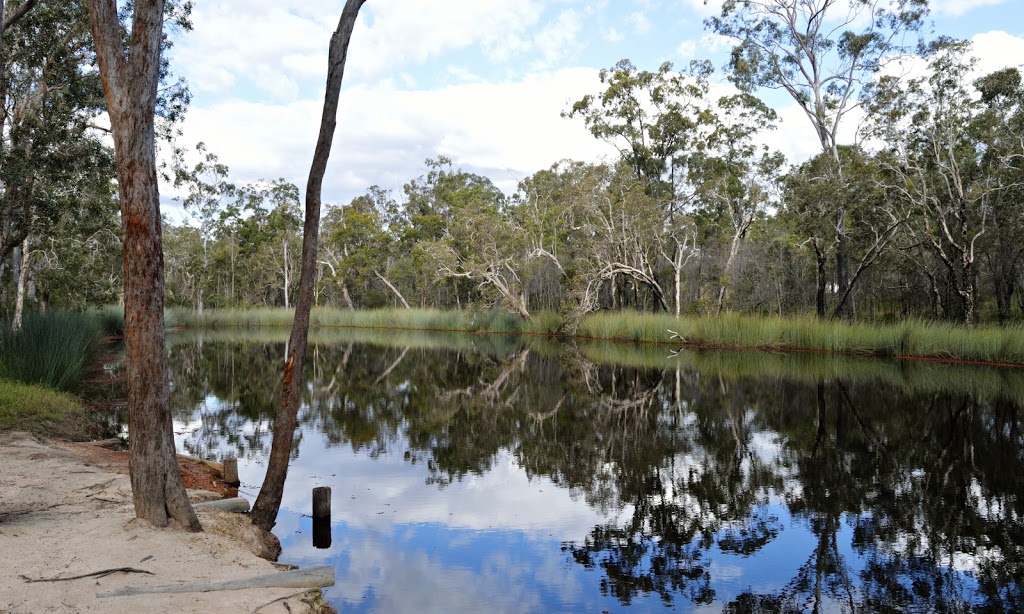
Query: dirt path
[[61, 517]]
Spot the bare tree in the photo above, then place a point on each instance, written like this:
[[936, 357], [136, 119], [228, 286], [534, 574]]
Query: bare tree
[[130, 86], [264, 511]]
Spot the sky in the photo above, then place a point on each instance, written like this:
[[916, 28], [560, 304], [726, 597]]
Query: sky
[[482, 82]]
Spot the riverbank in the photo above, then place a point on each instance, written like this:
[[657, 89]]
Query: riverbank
[[61, 516], [996, 345]]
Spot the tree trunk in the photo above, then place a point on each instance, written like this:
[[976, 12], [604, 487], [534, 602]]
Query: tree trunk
[[967, 292], [19, 298], [392, 288], [347, 297], [130, 88], [844, 309], [819, 295], [264, 511], [724, 281], [284, 248]]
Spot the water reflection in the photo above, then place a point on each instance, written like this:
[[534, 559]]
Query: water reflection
[[556, 477]]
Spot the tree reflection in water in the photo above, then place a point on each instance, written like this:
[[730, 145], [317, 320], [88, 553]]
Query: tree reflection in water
[[912, 492]]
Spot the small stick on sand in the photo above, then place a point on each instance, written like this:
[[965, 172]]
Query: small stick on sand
[[96, 574]]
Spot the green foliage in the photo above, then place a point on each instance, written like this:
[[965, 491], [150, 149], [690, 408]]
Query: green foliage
[[110, 319], [51, 349]]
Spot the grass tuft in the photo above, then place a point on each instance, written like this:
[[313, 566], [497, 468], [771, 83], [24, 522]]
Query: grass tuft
[[34, 409], [52, 349]]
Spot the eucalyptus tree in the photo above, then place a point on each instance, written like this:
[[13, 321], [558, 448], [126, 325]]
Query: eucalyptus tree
[[130, 81], [621, 226], [48, 98], [207, 186], [811, 191], [822, 53], [1001, 116], [263, 225], [955, 148], [733, 177], [652, 118], [544, 215], [437, 229], [358, 246], [480, 244], [657, 120]]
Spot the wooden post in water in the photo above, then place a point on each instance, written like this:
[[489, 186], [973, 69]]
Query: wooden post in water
[[231, 471], [322, 503], [322, 517]]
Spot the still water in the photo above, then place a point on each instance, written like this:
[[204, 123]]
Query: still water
[[496, 474]]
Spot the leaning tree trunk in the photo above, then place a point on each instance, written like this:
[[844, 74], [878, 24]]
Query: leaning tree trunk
[[264, 511], [130, 88]]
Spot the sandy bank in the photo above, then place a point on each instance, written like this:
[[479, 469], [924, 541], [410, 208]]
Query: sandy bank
[[61, 517]]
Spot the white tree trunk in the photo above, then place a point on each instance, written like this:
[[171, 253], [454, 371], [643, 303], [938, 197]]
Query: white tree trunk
[[284, 246], [19, 300]]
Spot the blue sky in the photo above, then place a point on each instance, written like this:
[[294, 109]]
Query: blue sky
[[480, 81]]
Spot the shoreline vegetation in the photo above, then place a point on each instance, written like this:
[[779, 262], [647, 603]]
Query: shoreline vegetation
[[908, 340], [43, 366], [49, 356]]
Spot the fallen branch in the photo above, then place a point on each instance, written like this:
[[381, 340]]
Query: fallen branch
[[238, 505], [96, 574], [311, 577]]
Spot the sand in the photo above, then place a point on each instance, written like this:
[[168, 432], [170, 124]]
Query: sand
[[61, 517]]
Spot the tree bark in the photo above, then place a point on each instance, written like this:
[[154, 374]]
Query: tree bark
[[18, 13], [284, 248], [130, 87], [843, 309], [19, 298], [264, 512], [819, 295]]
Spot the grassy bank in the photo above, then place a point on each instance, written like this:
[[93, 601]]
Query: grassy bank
[[41, 364], [912, 338], [35, 409]]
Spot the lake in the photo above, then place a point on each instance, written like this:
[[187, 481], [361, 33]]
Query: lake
[[486, 473]]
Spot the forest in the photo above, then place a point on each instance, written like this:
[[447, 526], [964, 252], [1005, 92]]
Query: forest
[[916, 216]]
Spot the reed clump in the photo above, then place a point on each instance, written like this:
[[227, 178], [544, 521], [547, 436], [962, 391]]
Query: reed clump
[[51, 349]]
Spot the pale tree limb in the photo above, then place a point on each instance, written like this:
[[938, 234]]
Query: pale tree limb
[[392, 287]]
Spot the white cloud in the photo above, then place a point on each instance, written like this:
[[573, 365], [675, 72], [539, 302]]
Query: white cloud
[[713, 43], [612, 35], [996, 49], [241, 41], [557, 41], [504, 130], [687, 50], [398, 32], [237, 41], [956, 8], [640, 23], [257, 70]]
